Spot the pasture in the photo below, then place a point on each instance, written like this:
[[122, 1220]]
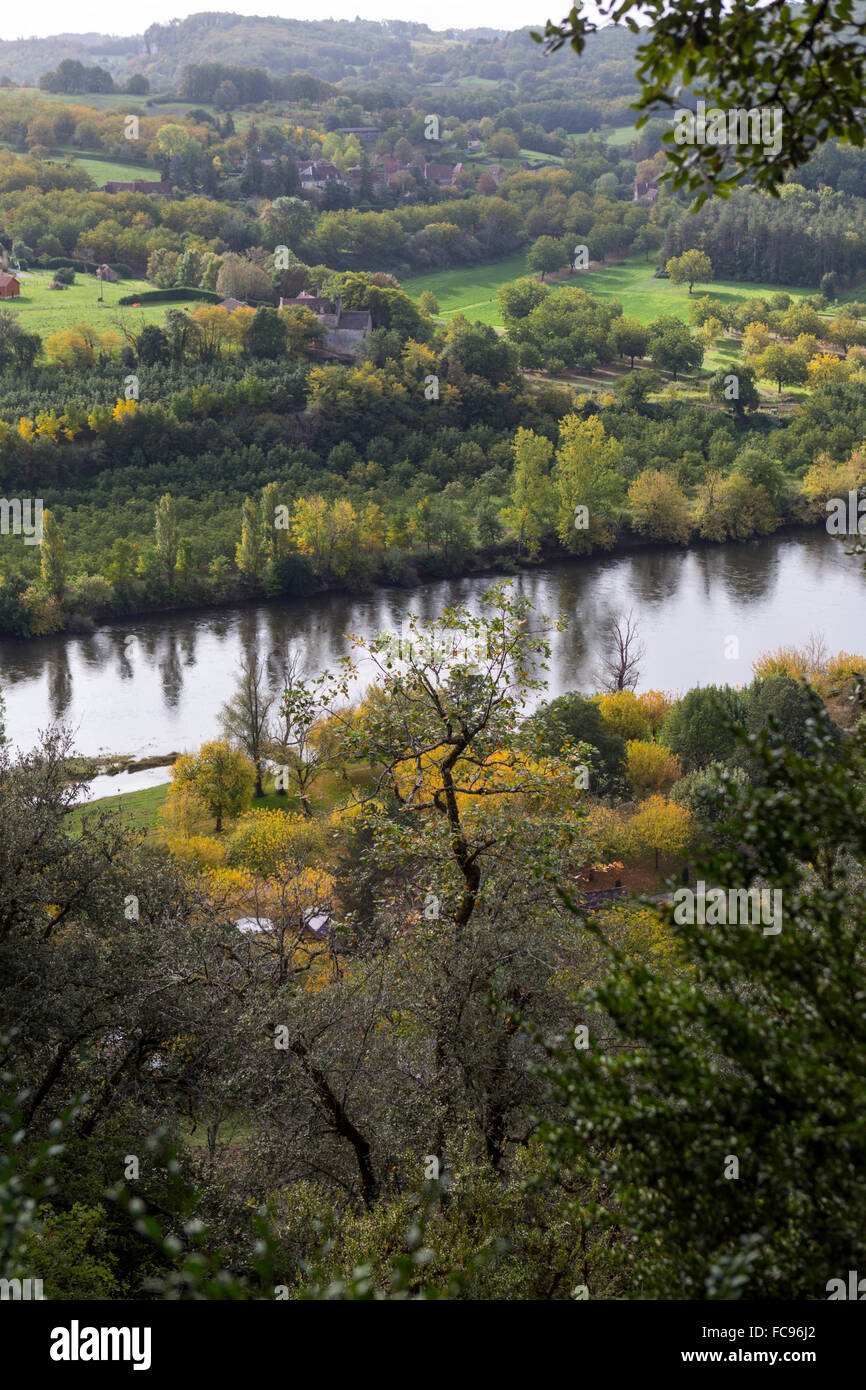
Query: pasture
[[44, 311]]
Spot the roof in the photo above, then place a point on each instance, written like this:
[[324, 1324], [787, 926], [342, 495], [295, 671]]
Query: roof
[[7, 279], [318, 304], [231, 304], [251, 924]]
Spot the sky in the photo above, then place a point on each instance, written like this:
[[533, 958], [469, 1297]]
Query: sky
[[43, 17]]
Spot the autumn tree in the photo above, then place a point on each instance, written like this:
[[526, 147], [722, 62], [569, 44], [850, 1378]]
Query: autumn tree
[[221, 775], [659, 507]]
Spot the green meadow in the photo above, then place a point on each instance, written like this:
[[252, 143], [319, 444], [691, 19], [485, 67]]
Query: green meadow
[[472, 290], [44, 311]]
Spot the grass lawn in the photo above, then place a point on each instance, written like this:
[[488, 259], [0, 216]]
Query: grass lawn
[[472, 290], [43, 310], [469, 290], [139, 808]]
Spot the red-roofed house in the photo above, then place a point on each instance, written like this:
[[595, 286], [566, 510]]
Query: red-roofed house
[[9, 286]]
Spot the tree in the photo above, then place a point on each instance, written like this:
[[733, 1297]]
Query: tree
[[589, 482], [630, 337], [221, 775], [622, 653], [304, 740], [244, 718], [663, 827], [250, 554], [735, 387], [167, 536], [532, 495], [784, 365], [428, 303], [52, 557], [671, 346], [731, 1060], [573, 719], [701, 726], [547, 254], [518, 299], [241, 279], [267, 335], [651, 766], [690, 266], [743, 59], [152, 346], [659, 506]]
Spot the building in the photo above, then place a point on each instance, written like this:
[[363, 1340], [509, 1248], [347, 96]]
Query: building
[[106, 273], [155, 189], [319, 174], [231, 304], [9, 286], [345, 329], [366, 135], [646, 190], [440, 174]]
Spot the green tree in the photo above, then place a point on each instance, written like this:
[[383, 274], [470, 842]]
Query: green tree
[[734, 386], [533, 498], [671, 346], [630, 337], [690, 266], [699, 727], [250, 552], [52, 553], [166, 536], [716, 1101], [267, 335], [589, 482], [546, 255]]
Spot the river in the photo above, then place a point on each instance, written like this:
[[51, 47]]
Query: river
[[155, 685]]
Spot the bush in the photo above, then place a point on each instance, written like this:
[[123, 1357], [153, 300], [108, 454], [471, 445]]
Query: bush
[[699, 729]]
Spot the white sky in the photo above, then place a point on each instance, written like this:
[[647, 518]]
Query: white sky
[[44, 17]]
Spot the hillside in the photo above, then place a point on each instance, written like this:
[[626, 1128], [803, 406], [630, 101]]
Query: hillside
[[393, 51]]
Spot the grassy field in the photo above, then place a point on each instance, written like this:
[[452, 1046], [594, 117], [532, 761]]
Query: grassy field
[[472, 290], [43, 310]]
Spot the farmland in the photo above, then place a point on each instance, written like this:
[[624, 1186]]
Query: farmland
[[46, 311]]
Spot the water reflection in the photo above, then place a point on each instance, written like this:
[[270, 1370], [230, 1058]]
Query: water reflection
[[156, 684]]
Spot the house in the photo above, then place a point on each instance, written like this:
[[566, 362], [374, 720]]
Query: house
[[440, 174], [319, 174], [9, 286], [497, 173], [231, 304], [345, 329], [646, 190], [106, 273], [155, 189]]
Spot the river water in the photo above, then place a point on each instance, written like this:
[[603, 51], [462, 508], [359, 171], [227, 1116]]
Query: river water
[[155, 685]]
